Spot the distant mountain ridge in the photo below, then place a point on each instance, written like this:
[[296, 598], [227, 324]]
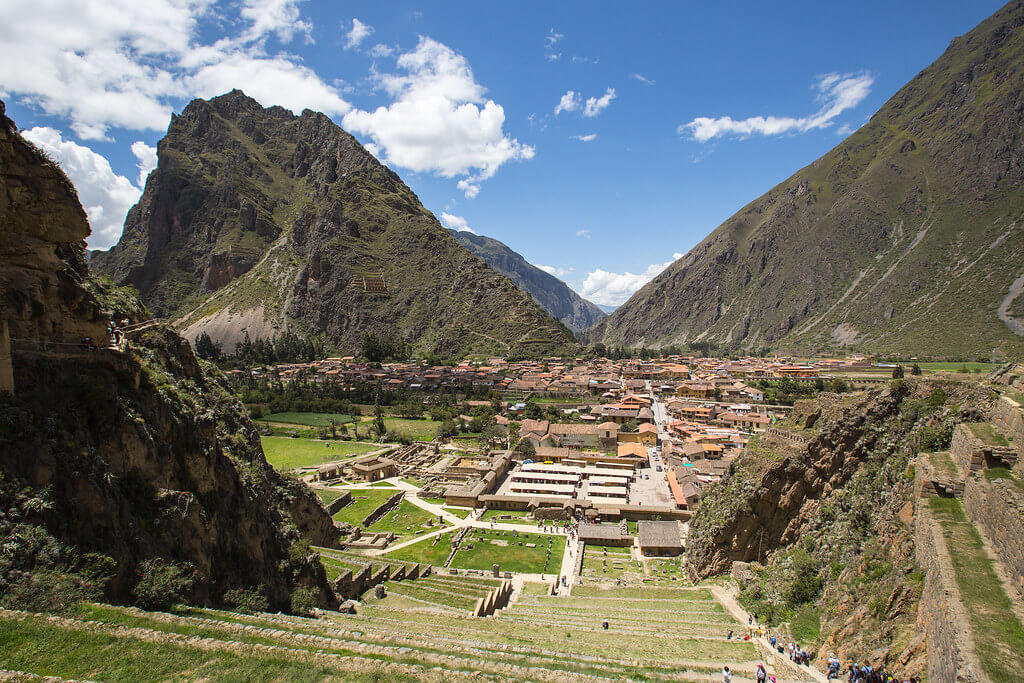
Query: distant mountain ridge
[[555, 296], [908, 237], [256, 221]]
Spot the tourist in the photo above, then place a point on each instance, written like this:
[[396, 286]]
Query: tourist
[[728, 636], [761, 675], [833, 666], [726, 675]]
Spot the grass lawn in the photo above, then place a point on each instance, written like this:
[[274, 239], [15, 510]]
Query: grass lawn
[[417, 430], [461, 513], [514, 557], [954, 367], [364, 501], [514, 516], [288, 454], [32, 645], [307, 419], [433, 551], [667, 568], [404, 515], [943, 463], [608, 562], [987, 432], [328, 496], [998, 635], [993, 473]]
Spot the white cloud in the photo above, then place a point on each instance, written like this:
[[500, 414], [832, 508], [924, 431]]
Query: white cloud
[[570, 102], [552, 270], [456, 223], [439, 121], [357, 34], [470, 189], [585, 138], [613, 289], [381, 50], [836, 92], [126, 64], [105, 196], [595, 105], [844, 130], [274, 16], [583, 232], [147, 160], [550, 40], [643, 79]]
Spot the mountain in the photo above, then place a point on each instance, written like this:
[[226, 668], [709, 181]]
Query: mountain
[[115, 455], [257, 221], [908, 237], [554, 295]]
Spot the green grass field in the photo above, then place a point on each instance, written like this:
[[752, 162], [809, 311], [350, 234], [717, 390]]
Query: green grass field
[[364, 501], [513, 557], [417, 430], [609, 562], [307, 419], [329, 496], [988, 433], [406, 520], [433, 551], [287, 454], [998, 635], [955, 367], [516, 516]]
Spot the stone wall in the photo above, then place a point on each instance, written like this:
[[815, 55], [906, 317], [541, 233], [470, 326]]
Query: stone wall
[[1008, 417], [966, 449], [940, 612], [997, 506], [382, 509]]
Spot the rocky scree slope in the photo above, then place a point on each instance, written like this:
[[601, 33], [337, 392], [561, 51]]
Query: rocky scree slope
[[133, 454], [906, 238], [828, 527], [555, 296], [256, 220]]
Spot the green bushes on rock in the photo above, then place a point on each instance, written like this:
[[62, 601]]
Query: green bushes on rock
[[162, 584]]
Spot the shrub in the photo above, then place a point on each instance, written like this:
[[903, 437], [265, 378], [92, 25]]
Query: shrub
[[299, 551], [162, 584], [47, 591], [304, 600], [248, 600]]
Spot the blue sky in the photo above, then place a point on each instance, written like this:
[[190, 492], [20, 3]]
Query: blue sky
[[674, 114]]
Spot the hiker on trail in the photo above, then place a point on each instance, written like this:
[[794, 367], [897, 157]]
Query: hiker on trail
[[833, 666], [761, 675], [726, 675], [728, 636]]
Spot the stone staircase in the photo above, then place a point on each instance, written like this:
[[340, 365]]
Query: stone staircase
[[969, 530], [419, 631]]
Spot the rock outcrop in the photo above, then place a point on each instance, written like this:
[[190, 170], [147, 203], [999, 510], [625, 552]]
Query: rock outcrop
[[908, 237], [256, 221], [133, 450]]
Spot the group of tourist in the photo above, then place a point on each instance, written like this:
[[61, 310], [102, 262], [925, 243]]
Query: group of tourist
[[866, 674]]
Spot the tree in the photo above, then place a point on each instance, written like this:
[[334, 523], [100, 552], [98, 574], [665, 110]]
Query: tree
[[206, 348], [526, 448], [161, 585], [378, 418], [304, 600], [897, 372], [915, 369]]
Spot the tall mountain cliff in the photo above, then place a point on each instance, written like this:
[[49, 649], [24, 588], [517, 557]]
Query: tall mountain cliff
[[558, 300], [908, 237], [133, 452], [257, 220]]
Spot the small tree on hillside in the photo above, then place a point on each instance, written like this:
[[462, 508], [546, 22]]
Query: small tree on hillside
[[897, 372], [915, 369]]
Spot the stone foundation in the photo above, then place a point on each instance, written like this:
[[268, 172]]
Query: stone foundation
[[997, 507]]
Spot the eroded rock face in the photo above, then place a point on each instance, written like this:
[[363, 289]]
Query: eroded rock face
[[138, 453]]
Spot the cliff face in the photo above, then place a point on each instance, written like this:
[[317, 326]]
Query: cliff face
[[558, 300], [827, 527], [257, 220], [135, 452], [908, 237]]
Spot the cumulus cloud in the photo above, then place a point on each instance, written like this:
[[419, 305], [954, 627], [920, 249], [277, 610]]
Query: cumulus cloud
[[643, 79], [146, 157], [106, 64], [585, 138], [837, 93], [105, 195], [439, 121], [469, 188], [570, 102], [552, 270], [357, 34], [844, 130], [596, 105], [381, 50], [456, 223], [613, 289]]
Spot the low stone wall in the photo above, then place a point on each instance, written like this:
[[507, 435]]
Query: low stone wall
[[793, 439], [997, 506], [340, 502], [966, 449], [1008, 417], [937, 617], [382, 509], [928, 481]]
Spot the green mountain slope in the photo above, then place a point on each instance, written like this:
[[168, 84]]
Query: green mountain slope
[[257, 220], [908, 237], [554, 295]]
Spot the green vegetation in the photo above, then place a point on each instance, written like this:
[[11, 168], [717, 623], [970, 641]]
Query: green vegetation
[[329, 495], [433, 551], [988, 433], [510, 552], [1005, 474], [806, 624], [943, 463], [307, 419], [364, 501], [289, 454], [404, 520], [609, 562], [998, 635], [415, 430], [967, 366]]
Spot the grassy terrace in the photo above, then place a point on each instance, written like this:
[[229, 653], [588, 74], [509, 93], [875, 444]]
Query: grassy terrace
[[609, 562], [998, 635], [994, 473], [433, 551], [406, 520], [509, 552], [417, 430], [988, 433], [943, 463], [364, 501], [328, 496], [285, 453], [307, 419]]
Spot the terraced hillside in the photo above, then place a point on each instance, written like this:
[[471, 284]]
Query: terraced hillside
[[906, 238], [668, 634], [256, 221]]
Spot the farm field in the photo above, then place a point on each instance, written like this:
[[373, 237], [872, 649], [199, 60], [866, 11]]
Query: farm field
[[285, 453]]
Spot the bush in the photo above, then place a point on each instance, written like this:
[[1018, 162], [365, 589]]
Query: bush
[[299, 551], [248, 600], [47, 591], [304, 600], [162, 584]]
